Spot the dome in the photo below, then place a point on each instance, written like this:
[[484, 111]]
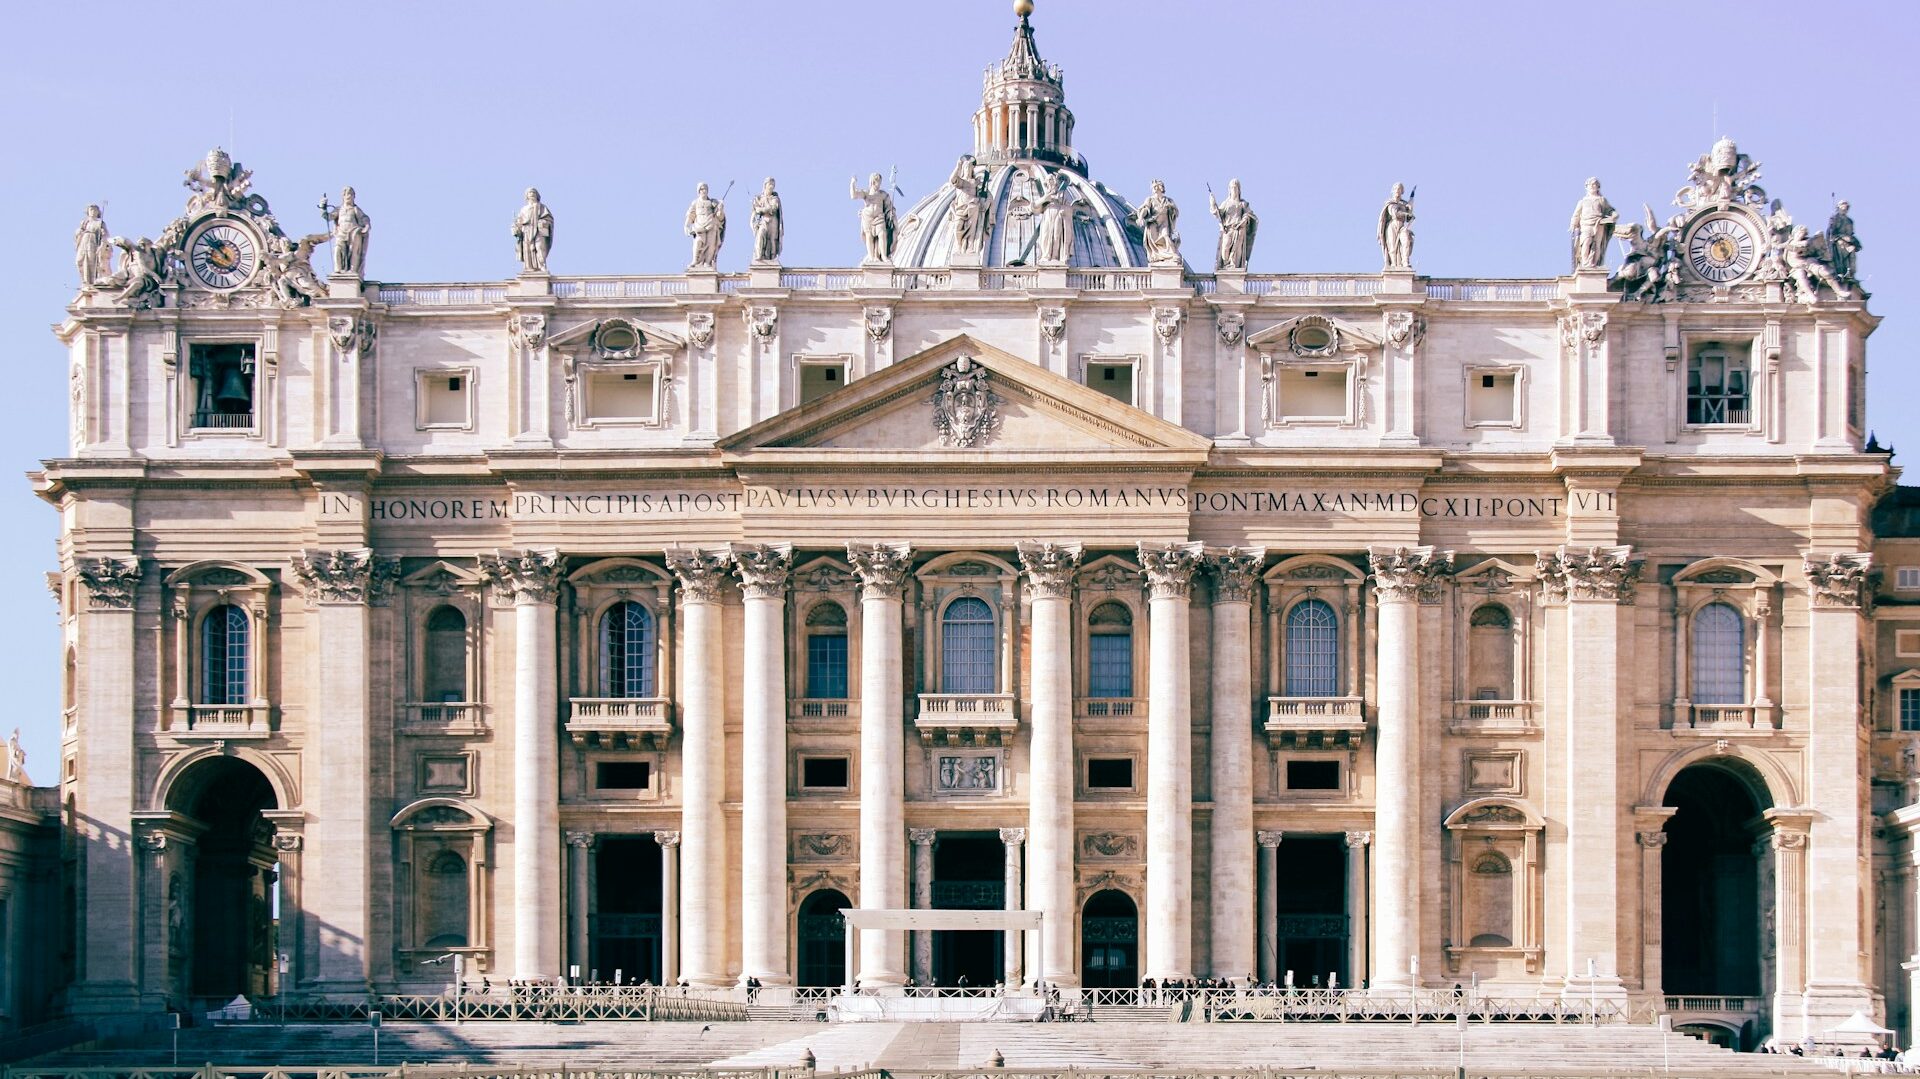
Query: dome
[[1103, 235]]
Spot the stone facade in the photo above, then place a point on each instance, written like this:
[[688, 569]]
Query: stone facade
[[1336, 626]]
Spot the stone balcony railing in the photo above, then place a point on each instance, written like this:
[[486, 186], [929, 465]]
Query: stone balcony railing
[[620, 721], [222, 720], [446, 717], [1315, 721], [1723, 718], [1109, 707], [1492, 716], [965, 717], [823, 708]]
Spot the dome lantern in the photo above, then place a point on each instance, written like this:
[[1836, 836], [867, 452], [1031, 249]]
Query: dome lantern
[[1023, 106]]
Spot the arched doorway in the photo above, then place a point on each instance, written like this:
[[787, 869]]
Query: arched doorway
[[1109, 941], [823, 938], [1710, 881], [219, 890]]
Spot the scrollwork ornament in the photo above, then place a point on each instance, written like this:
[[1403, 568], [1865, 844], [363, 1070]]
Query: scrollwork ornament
[[529, 331], [1405, 329], [1053, 324], [1049, 567], [523, 576], [1231, 326], [823, 844], [879, 322], [700, 328], [1783, 840], [110, 581], [1839, 579], [761, 322], [922, 837], [1167, 322], [1235, 572], [1408, 573], [881, 567], [1013, 837], [1358, 839], [701, 573], [763, 568], [1169, 568], [350, 333]]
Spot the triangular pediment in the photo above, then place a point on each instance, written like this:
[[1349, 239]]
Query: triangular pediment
[[1032, 409]]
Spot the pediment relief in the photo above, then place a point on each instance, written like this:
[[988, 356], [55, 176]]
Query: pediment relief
[[966, 397], [442, 578], [216, 576], [620, 573], [1723, 572], [615, 338], [1312, 336], [1314, 569], [823, 574], [1492, 576], [1492, 813]]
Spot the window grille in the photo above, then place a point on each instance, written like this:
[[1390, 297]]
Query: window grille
[[1313, 651], [627, 651], [224, 656], [1110, 664], [1717, 388], [967, 653], [827, 666], [1909, 709], [1719, 655]]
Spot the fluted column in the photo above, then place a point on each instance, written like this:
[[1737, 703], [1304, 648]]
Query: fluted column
[[703, 778], [1235, 572], [1398, 575], [532, 578], [669, 906], [1357, 844], [1169, 939], [1592, 581], [579, 849], [1268, 905], [763, 790], [1012, 952], [104, 798], [922, 839], [1050, 827], [882, 569], [339, 584]]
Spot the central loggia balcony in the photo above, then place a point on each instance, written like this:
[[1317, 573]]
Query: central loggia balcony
[[965, 718], [823, 708], [1492, 717], [223, 721], [1727, 718], [1315, 721], [1104, 708], [620, 722], [443, 717]]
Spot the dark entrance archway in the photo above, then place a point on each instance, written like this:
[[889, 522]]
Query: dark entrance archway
[[1710, 881], [823, 938], [1310, 881], [1109, 941], [219, 918], [624, 931], [968, 874]]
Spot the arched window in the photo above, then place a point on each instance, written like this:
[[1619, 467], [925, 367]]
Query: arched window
[[823, 938], [443, 901], [223, 656], [827, 651], [1490, 898], [446, 659], [1110, 651], [1490, 653], [1719, 655], [966, 647], [1313, 650], [627, 651]]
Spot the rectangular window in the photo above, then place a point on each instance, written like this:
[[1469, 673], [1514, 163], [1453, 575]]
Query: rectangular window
[[1312, 775], [444, 398], [1313, 393], [1109, 773], [1907, 578], [621, 397], [222, 386], [1113, 379], [1110, 665], [827, 666], [623, 775], [1717, 390], [1906, 643], [1909, 709], [1491, 399], [819, 379], [824, 773]]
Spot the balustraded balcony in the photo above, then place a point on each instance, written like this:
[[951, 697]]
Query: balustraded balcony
[[965, 718], [823, 708], [1492, 717], [222, 720], [620, 722], [1313, 722], [1098, 708], [443, 717], [1723, 718]]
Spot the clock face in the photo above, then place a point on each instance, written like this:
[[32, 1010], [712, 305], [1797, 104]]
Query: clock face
[[1722, 249], [224, 256]]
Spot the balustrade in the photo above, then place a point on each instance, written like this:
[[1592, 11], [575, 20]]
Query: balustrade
[[1109, 707], [222, 720], [643, 721], [442, 717], [965, 716], [823, 708], [1315, 721]]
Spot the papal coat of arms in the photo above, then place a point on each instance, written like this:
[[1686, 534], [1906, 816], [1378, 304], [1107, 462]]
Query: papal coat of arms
[[963, 405]]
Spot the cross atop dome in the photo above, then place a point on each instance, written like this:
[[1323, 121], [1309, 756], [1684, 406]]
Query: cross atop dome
[[1023, 106]]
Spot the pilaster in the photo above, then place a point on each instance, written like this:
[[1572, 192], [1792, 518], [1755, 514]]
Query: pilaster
[[103, 810]]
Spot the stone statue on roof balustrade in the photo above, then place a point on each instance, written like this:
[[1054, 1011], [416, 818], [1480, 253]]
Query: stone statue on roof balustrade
[[769, 227], [879, 225], [969, 206], [1158, 217], [706, 222], [1237, 226], [1054, 245], [92, 253], [1593, 221], [1396, 229], [533, 233]]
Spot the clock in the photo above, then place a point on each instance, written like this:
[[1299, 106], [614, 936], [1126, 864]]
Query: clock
[[223, 255], [1723, 248]]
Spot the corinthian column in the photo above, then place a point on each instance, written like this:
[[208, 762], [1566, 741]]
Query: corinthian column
[[703, 777], [1169, 568], [1398, 575], [763, 791], [1235, 571], [1049, 568], [532, 578], [339, 585], [104, 799], [882, 569], [1592, 581]]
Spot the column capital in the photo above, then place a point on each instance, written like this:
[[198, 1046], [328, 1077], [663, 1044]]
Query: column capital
[[1404, 574], [763, 568], [1235, 572], [110, 580], [922, 837], [1049, 567], [1837, 579], [1013, 837], [580, 839], [1651, 840], [701, 573], [881, 567], [1268, 840], [667, 839], [524, 576], [352, 575], [1359, 839], [1169, 568], [1587, 573]]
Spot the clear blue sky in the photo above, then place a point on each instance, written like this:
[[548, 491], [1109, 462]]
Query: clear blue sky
[[441, 113]]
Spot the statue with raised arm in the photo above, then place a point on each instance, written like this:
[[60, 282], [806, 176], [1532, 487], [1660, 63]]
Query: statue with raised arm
[[769, 227], [143, 269], [969, 205], [1054, 244], [1842, 243], [350, 227], [1237, 225], [92, 254], [1593, 221], [1158, 218], [1643, 270], [1807, 268], [878, 224], [707, 223], [533, 233], [1396, 229], [290, 266]]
